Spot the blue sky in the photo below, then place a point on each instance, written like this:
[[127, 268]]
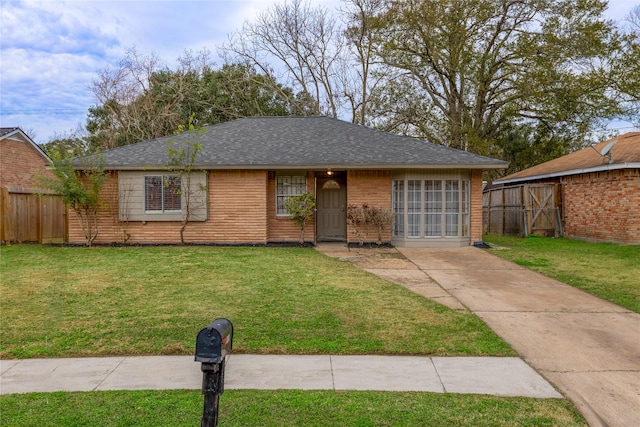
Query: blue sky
[[50, 51]]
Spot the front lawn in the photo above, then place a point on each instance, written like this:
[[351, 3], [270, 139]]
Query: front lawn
[[284, 408], [71, 301], [606, 270], [63, 302]]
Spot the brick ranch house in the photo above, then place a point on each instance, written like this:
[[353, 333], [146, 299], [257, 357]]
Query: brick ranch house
[[247, 168], [599, 189]]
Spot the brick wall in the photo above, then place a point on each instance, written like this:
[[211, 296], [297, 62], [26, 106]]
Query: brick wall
[[238, 209], [283, 228], [603, 206], [20, 163], [237, 214], [242, 210], [372, 187], [476, 206]]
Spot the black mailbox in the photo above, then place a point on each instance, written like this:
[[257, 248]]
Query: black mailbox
[[214, 342]]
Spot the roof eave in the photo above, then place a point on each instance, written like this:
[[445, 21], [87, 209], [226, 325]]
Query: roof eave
[[482, 166], [602, 168]]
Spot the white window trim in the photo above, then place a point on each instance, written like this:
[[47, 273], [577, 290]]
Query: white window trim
[[284, 197]]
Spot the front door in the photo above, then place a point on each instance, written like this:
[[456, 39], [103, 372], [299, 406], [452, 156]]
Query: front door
[[331, 205]]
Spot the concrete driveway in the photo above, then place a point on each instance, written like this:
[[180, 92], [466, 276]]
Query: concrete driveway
[[587, 347]]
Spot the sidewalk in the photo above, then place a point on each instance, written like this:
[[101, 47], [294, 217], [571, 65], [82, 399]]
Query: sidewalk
[[501, 376]]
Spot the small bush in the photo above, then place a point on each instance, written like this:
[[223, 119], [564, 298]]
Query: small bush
[[363, 218], [301, 208]]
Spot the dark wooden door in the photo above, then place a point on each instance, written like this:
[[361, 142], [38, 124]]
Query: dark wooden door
[[331, 205]]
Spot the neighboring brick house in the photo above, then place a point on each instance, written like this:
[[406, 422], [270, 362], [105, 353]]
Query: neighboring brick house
[[26, 214], [21, 160], [247, 168], [600, 193]]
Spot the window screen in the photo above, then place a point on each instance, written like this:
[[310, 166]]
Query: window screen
[[162, 193]]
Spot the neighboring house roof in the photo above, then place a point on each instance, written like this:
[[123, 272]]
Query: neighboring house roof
[[297, 143], [625, 154], [4, 131], [17, 134]]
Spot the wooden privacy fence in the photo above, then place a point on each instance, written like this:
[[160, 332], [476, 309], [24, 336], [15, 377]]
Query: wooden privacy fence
[[523, 210], [29, 217]]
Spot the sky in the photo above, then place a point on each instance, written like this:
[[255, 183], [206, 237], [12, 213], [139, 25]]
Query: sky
[[50, 51]]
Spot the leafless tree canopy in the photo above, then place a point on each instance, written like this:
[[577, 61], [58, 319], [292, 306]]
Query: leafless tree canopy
[[143, 99], [324, 59], [506, 78]]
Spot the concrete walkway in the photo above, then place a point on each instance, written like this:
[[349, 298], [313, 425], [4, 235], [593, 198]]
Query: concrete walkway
[[482, 375], [587, 347]]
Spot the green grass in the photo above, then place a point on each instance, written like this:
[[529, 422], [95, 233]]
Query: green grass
[[61, 302], [283, 408], [70, 301], [606, 270]]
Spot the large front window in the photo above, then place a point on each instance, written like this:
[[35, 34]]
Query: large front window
[[162, 193], [287, 186], [431, 208]]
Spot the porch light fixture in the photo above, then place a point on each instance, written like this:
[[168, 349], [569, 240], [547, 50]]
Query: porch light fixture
[[329, 172]]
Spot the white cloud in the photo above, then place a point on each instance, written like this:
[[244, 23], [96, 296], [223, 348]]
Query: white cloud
[[50, 51], [40, 27]]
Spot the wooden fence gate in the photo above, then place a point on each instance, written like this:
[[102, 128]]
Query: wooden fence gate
[[542, 210], [523, 210], [28, 217]]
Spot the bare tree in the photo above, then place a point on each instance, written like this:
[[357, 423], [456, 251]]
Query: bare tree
[[124, 113], [196, 62], [633, 19], [364, 73], [305, 44], [141, 99]]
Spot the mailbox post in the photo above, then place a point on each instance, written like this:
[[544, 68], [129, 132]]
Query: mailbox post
[[213, 344]]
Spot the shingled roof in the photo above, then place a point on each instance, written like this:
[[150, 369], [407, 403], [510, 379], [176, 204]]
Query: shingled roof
[[4, 131], [297, 143], [625, 154]]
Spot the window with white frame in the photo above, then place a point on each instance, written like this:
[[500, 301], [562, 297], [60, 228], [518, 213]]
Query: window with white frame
[[398, 208], [452, 207], [466, 208], [162, 193], [431, 208], [414, 208], [287, 186]]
